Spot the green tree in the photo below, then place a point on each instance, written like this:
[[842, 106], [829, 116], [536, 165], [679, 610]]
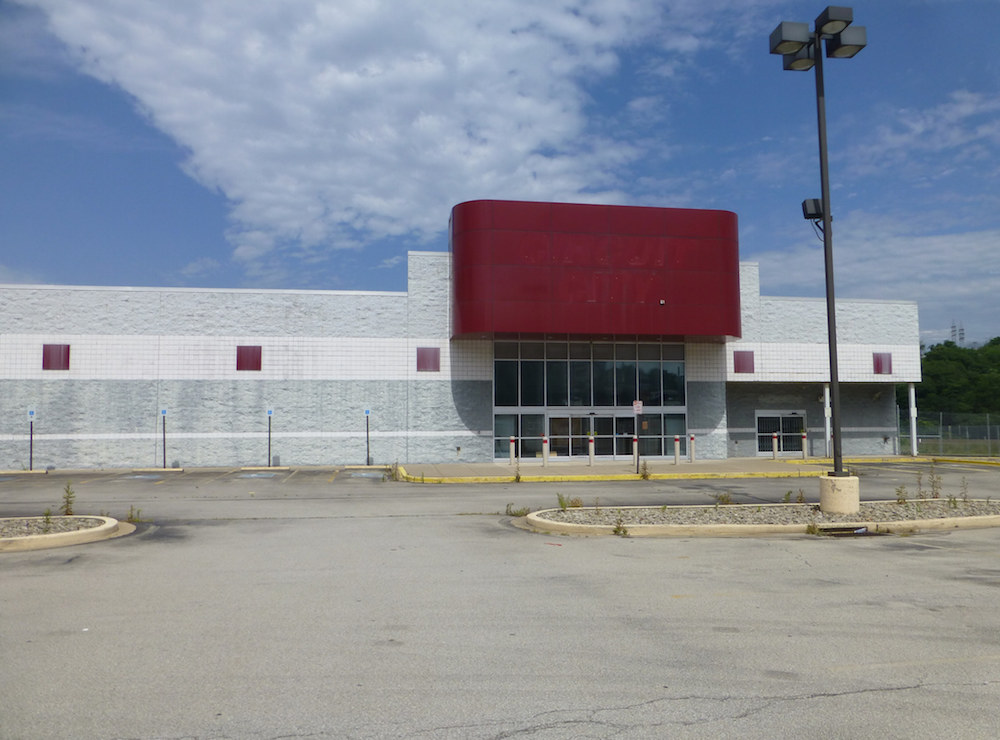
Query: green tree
[[959, 379]]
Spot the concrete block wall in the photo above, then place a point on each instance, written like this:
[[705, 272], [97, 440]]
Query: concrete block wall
[[327, 356], [868, 416]]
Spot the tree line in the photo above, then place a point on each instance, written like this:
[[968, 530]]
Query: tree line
[[958, 379]]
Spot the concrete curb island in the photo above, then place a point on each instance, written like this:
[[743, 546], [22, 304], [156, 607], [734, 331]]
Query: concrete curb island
[[107, 529], [534, 522]]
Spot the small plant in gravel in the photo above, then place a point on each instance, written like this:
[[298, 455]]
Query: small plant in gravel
[[46, 521], [935, 483], [900, 494], [620, 529], [597, 506], [563, 501], [920, 484], [952, 502], [576, 502], [69, 495]]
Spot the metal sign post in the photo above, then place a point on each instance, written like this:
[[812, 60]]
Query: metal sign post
[[163, 415], [637, 409], [368, 445], [270, 412], [31, 438]]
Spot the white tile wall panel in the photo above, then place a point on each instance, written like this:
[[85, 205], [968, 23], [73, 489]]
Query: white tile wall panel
[[145, 357], [801, 362]]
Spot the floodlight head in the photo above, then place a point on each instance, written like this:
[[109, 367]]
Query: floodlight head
[[847, 43], [834, 20], [788, 37], [812, 209], [801, 61]]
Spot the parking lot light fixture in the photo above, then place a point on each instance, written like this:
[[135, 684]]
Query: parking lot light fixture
[[801, 52]]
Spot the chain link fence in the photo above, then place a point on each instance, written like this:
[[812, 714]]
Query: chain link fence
[[946, 433]]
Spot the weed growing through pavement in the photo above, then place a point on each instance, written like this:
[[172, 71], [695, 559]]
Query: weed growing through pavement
[[723, 499], [134, 515], [900, 494], [788, 497], [801, 498], [597, 506], [965, 490], [67, 501], [812, 528], [920, 484], [644, 471], [620, 529], [576, 502], [517, 472], [523, 511]]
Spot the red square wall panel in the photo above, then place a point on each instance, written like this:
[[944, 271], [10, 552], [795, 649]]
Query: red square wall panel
[[522, 215], [521, 248], [474, 216], [474, 283], [581, 219]]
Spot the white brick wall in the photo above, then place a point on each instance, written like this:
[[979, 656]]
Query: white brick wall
[[131, 357]]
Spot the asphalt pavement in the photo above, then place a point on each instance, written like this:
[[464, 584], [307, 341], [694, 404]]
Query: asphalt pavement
[[333, 603]]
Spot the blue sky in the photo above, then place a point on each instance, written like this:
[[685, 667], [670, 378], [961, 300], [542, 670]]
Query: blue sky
[[311, 143]]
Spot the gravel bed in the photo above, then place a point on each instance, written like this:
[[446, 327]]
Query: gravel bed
[[881, 511], [29, 525]]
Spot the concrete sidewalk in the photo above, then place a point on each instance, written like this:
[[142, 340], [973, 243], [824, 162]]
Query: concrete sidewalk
[[579, 470]]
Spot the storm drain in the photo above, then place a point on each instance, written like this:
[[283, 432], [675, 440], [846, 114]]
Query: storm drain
[[835, 531]]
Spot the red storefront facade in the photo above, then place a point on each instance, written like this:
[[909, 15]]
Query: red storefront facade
[[664, 274]]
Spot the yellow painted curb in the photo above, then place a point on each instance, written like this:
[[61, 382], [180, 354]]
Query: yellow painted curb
[[24, 472], [962, 461], [107, 529], [587, 478]]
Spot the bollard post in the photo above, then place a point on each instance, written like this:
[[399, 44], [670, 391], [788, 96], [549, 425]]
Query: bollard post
[[774, 445], [691, 444], [805, 445], [677, 449], [590, 450], [512, 449], [545, 451], [635, 452]]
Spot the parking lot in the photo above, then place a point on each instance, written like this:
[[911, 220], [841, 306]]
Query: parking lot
[[330, 603]]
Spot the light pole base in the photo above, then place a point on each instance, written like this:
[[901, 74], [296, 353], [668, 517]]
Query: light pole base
[[839, 494]]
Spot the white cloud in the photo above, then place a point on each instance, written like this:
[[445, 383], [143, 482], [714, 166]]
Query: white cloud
[[953, 277], [326, 123], [12, 275]]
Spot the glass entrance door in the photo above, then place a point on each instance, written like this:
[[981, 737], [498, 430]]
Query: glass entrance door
[[569, 436], [787, 425]]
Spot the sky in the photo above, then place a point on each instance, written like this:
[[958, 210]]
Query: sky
[[309, 144]]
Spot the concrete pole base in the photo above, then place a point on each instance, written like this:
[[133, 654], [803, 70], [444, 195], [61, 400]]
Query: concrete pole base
[[839, 494]]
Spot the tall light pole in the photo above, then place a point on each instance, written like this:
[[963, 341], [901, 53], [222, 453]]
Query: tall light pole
[[802, 50]]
